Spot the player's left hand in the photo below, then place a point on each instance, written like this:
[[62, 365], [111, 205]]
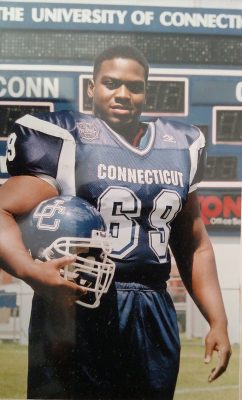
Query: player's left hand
[[217, 340]]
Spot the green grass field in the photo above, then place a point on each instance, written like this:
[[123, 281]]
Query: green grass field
[[13, 370], [192, 382]]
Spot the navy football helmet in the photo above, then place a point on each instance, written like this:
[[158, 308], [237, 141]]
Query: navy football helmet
[[66, 225]]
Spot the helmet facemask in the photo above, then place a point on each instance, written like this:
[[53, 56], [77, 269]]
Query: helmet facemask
[[92, 268]]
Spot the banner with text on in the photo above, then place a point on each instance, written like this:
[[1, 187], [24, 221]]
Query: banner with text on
[[117, 17], [221, 210]]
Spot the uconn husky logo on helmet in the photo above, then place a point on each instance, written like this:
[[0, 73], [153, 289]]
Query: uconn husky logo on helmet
[[44, 214], [67, 225]]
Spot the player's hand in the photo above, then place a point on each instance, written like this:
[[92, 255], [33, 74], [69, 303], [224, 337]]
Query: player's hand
[[46, 280], [217, 340]]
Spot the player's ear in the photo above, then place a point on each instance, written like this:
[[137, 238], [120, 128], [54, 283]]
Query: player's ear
[[90, 88]]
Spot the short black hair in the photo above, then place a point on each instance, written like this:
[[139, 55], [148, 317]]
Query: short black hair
[[121, 51]]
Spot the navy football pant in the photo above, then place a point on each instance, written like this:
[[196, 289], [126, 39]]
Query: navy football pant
[[128, 348]]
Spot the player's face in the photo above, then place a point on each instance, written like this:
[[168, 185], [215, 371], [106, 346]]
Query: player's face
[[119, 92]]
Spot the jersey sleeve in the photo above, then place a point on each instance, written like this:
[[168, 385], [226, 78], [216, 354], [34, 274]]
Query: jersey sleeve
[[40, 146], [198, 160]]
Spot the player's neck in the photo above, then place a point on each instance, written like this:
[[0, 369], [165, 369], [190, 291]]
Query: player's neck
[[130, 132]]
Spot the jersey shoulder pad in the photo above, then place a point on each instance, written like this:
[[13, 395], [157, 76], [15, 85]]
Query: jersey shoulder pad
[[35, 143]]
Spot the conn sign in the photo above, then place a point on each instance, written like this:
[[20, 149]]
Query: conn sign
[[28, 86]]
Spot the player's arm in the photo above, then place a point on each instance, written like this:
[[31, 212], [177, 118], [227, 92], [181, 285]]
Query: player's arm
[[195, 259], [18, 196]]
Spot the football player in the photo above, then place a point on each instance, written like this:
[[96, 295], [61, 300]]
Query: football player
[[142, 178]]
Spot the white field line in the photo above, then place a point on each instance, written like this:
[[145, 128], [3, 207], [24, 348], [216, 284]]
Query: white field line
[[207, 389]]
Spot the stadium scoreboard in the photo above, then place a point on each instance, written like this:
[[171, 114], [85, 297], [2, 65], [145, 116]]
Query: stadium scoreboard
[[212, 102], [47, 51]]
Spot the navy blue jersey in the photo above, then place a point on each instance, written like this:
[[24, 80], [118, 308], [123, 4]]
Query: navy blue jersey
[[139, 191]]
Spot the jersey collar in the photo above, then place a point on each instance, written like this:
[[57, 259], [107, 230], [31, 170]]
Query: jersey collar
[[148, 138]]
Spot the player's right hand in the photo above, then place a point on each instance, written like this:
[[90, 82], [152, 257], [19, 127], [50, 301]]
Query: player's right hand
[[47, 282]]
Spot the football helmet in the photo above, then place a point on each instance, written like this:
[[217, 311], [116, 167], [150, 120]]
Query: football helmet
[[66, 225]]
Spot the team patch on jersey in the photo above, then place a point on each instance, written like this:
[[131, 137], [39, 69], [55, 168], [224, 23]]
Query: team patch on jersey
[[169, 138], [87, 130]]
